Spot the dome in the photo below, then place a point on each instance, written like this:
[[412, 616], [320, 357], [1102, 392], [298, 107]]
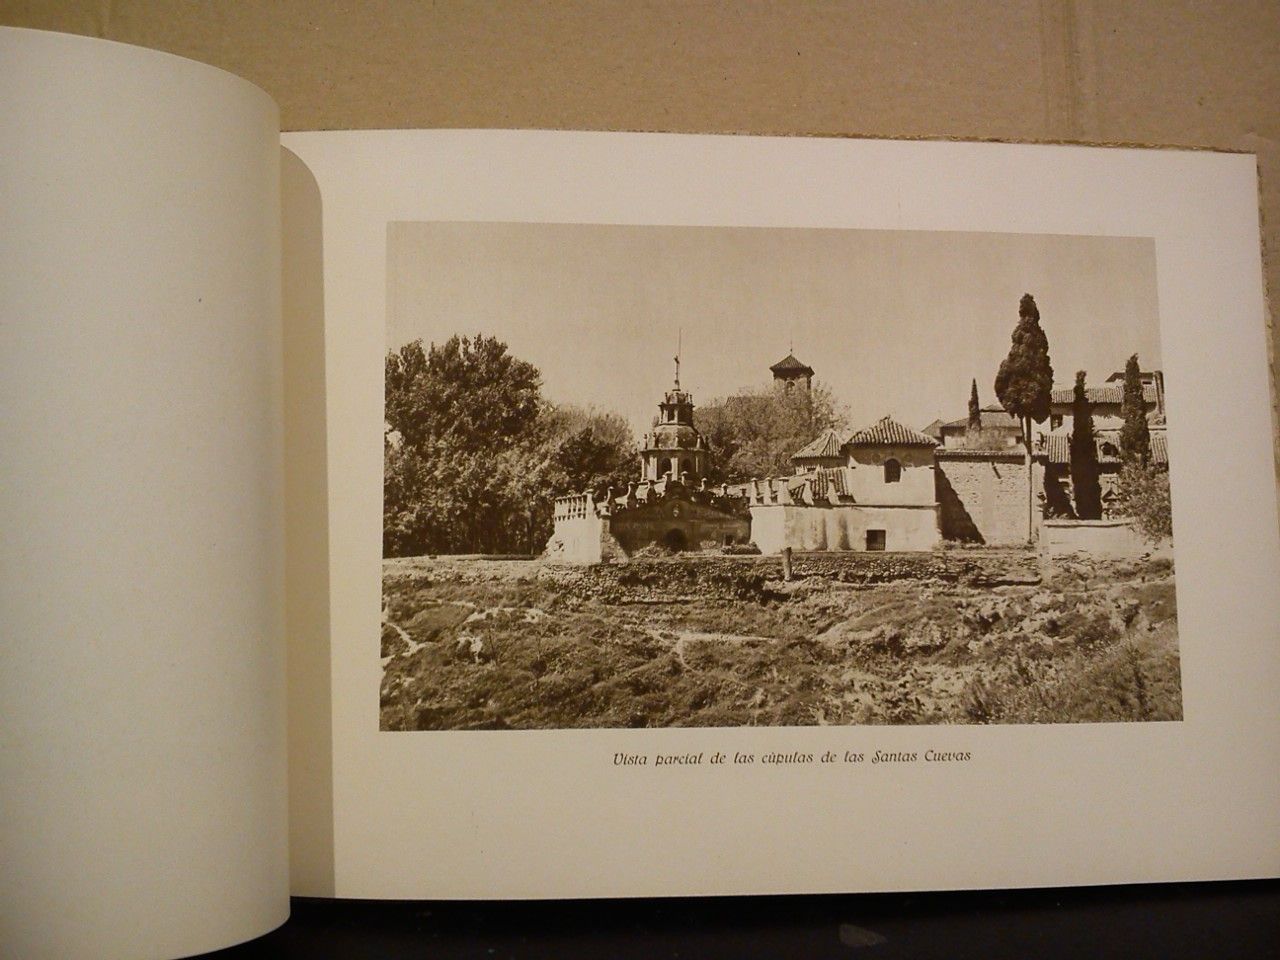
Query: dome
[[672, 436]]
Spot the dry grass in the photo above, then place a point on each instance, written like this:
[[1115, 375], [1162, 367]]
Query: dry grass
[[525, 646]]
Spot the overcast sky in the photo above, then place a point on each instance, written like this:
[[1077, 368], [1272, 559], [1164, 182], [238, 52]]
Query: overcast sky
[[894, 322]]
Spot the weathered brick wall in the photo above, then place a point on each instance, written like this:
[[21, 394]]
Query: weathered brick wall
[[983, 499]]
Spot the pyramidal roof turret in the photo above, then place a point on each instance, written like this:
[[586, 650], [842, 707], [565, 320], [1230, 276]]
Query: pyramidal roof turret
[[790, 365]]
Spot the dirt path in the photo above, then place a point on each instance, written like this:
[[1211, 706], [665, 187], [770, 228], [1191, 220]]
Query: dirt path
[[412, 644]]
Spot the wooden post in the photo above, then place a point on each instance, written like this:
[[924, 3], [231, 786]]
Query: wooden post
[[786, 563]]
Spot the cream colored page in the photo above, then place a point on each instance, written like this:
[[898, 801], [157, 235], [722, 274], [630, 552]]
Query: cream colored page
[[142, 757], [306, 532], [537, 813]]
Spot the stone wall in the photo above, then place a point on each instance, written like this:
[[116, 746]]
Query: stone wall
[[682, 579], [983, 496], [842, 527], [677, 523], [1098, 538]]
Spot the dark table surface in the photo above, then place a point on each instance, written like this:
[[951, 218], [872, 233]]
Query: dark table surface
[[1169, 921]]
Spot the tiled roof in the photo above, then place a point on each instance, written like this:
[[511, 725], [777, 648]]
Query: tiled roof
[[1057, 447], [789, 364], [1160, 447], [821, 481], [888, 432], [1109, 393], [826, 446], [826, 479]]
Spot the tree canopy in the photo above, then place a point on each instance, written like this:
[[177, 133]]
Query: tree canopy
[[755, 432], [1024, 382], [1135, 435], [1084, 455], [474, 455], [590, 450], [467, 391], [1144, 498], [975, 411]]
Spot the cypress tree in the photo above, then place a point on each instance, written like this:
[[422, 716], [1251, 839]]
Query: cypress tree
[[975, 411], [1135, 435], [1024, 383], [1084, 455]]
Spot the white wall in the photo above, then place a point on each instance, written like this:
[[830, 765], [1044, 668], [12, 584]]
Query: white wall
[[866, 476], [1098, 538], [818, 528], [577, 540]]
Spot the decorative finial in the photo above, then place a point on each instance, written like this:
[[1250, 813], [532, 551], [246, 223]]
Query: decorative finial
[[679, 337]]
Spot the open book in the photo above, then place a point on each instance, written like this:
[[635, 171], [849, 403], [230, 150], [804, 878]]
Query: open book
[[443, 514]]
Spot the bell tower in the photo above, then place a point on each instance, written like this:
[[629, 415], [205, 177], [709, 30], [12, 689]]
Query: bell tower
[[674, 449], [790, 374]]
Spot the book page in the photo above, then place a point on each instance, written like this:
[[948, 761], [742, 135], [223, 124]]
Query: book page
[[306, 535], [739, 515], [142, 772]]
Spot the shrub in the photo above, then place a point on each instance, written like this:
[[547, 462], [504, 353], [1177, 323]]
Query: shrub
[[1144, 496]]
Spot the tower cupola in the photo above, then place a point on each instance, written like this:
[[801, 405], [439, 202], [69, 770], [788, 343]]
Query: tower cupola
[[675, 448], [788, 373]]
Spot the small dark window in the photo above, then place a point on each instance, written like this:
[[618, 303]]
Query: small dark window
[[728, 539], [892, 471], [875, 540]]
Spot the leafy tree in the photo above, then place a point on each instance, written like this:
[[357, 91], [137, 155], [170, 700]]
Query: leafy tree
[[468, 390], [755, 432], [1143, 488], [463, 432], [1024, 383], [1135, 435], [589, 450], [474, 456], [975, 411], [406, 525], [1084, 454], [1144, 498]]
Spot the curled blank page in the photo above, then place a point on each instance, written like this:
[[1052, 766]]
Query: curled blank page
[[142, 762]]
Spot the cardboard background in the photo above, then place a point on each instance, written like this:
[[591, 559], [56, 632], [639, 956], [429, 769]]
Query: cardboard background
[[1183, 73]]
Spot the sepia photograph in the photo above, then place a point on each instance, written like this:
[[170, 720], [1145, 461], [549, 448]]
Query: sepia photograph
[[679, 476]]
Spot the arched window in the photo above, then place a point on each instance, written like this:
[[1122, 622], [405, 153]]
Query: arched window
[[892, 471]]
